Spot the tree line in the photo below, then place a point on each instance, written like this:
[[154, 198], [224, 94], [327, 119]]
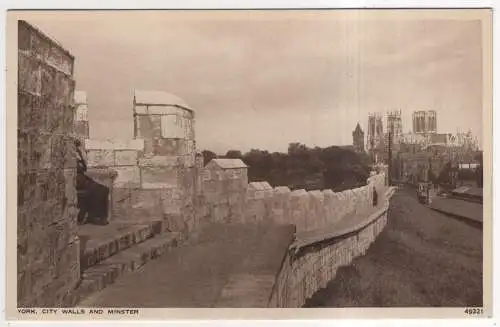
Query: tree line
[[334, 167]]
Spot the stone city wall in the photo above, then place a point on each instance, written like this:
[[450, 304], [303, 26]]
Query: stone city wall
[[226, 195], [47, 242], [308, 268]]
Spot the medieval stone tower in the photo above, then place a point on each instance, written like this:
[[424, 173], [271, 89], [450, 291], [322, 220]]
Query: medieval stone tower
[[358, 139], [167, 163]]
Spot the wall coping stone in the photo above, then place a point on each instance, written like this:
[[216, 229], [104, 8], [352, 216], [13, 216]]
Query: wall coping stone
[[328, 192], [281, 190], [300, 192], [259, 186], [316, 194]]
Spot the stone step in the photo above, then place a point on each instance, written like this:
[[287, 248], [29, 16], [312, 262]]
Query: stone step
[[105, 273], [100, 248]]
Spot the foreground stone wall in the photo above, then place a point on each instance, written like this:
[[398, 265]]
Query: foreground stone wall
[[47, 242], [308, 268]]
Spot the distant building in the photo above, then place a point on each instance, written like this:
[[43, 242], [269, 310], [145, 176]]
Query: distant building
[[375, 137], [395, 126], [424, 122], [358, 139], [438, 138]]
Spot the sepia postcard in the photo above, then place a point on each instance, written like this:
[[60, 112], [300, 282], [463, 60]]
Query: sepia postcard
[[249, 164]]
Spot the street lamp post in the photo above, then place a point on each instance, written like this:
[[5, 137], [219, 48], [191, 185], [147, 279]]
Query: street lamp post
[[390, 155]]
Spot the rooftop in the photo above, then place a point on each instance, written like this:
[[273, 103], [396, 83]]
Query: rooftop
[[146, 97], [225, 163]]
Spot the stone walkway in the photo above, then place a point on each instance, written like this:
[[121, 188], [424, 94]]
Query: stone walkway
[[212, 270]]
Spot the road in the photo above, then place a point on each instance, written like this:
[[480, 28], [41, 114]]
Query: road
[[422, 258]]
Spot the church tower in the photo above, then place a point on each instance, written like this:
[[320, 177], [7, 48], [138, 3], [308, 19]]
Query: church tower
[[358, 139]]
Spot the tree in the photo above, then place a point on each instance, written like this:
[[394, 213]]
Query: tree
[[479, 169], [208, 156], [234, 154]]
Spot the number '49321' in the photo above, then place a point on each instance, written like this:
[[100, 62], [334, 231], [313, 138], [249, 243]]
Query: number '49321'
[[474, 311]]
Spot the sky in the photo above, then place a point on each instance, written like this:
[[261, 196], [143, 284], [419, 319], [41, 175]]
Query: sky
[[260, 80]]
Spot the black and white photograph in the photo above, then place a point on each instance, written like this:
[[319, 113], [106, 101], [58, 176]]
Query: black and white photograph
[[211, 159]]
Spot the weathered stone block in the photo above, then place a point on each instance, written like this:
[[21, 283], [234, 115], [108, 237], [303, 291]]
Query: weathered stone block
[[151, 196], [26, 105], [29, 74], [101, 158], [122, 194], [68, 120], [170, 147], [60, 60], [42, 182], [23, 38], [23, 151], [154, 161], [48, 83], [68, 257], [171, 193], [148, 126], [158, 177], [64, 90], [133, 144], [60, 151], [24, 284], [125, 158], [41, 151], [171, 206]]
